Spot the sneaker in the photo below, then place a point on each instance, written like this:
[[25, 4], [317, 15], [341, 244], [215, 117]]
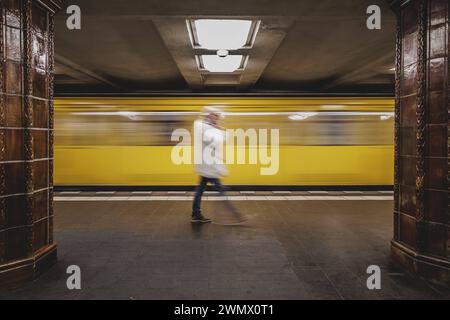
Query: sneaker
[[199, 218]]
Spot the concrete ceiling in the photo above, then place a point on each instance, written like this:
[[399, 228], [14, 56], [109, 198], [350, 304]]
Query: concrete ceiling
[[302, 47]]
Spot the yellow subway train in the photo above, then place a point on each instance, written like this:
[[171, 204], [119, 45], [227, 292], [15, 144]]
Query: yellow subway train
[[130, 141]]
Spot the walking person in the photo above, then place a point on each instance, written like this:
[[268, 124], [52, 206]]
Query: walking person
[[209, 164]]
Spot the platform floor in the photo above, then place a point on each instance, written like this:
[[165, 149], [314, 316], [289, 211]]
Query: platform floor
[[294, 249]]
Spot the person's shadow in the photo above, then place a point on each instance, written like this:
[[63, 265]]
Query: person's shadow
[[197, 230]]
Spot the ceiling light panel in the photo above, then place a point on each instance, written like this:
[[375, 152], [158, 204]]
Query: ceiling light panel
[[228, 34], [214, 63]]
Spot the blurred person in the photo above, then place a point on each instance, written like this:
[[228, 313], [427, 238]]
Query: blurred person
[[209, 165]]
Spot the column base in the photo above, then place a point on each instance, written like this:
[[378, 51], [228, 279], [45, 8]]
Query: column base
[[17, 272], [429, 268]]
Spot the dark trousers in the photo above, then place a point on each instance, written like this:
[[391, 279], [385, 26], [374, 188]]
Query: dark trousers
[[201, 188]]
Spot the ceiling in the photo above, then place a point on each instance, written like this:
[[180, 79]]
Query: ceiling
[[128, 47]]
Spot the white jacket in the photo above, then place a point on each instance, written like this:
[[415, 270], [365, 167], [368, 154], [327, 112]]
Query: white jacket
[[209, 143]]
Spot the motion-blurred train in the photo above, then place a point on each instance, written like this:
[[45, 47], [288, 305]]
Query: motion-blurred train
[[127, 141]]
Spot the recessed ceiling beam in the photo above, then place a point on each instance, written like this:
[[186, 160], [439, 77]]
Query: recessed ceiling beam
[[79, 72], [364, 71], [175, 35]]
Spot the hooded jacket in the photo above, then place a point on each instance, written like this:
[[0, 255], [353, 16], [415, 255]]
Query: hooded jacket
[[208, 150]]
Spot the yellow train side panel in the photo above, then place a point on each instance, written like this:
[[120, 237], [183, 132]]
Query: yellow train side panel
[[152, 166], [231, 103]]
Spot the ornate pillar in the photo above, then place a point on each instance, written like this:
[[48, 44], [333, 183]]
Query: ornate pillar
[[421, 241], [26, 138]]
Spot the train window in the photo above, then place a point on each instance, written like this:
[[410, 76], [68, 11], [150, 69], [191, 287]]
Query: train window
[[148, 128]]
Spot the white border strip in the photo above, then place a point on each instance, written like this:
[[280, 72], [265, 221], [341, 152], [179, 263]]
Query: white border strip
[[232, 198]]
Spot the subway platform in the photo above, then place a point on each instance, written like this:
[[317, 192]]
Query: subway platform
[[295, 245]]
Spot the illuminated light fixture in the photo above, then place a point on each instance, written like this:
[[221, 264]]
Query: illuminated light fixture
[[392, 69], [216, 42], [216, 34], [222, 53], [227, 64], [302, 115]]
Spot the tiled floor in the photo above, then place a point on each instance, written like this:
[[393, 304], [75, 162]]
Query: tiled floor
[[286, 250]]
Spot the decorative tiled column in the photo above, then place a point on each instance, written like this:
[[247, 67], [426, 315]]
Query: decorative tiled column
[[26, 139], [421, 241]]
